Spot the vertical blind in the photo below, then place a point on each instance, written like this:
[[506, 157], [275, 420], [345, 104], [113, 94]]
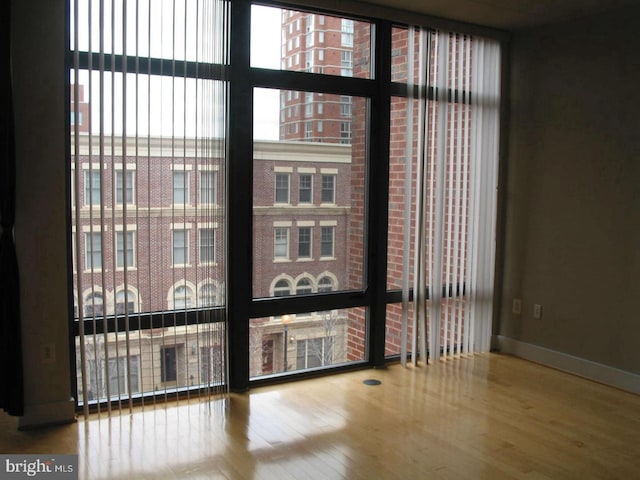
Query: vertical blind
[[452, 214], [148, 115]]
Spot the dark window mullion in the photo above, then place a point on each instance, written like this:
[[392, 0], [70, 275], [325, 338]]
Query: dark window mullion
[[240, 199], [154, 66], [312, 82], [275, 306], [378, 204]]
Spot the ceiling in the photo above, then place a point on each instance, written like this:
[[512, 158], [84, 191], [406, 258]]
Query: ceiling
[[507, 14]]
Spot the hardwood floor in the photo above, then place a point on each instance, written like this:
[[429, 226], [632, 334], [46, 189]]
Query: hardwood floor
[[488, 416]]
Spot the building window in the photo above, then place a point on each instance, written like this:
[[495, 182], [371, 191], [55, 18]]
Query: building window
[[94, 305], [210, 364], [168, 370], [125, 302], [304, 242], [320, 37], [346, 63], [182, 297], [308, 103], [282, 187], [124, 189], [305, 188], [325, 284], [321, 55], [327, 236], [93, 250], [282, 288], [308, 129], [73, 118], [180, 247], [314, 352], [207, 245], [304, 287], [92, 194], [207, 295], [347, 32], [123, 372], [345, 106], [125, 257], [345, 132], [320, 126], [281, 243], [328, 189], [208, 188], [180, 188]]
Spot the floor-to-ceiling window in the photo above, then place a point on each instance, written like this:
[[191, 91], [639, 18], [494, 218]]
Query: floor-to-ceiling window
[[148, 136], [310, 187], [309, 191]]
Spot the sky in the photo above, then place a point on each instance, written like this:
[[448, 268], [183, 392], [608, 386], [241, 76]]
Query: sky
[[265, 53]]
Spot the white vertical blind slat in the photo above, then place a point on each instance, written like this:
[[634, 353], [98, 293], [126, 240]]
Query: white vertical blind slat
[[456, 197], [107, 235]]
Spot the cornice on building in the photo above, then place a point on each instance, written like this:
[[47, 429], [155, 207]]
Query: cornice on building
[[282, 151], [302, 152]]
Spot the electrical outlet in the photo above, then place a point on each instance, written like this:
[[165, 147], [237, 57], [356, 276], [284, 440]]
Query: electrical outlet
[[48, 353], [537, 311], [516, 306]]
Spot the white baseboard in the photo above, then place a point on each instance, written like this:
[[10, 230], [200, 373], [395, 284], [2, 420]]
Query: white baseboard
[[598, 372], [43, 414]]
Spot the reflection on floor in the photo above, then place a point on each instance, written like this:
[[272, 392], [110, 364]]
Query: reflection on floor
[[486, 416]]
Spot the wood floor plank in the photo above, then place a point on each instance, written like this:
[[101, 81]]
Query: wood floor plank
[[484, 416]]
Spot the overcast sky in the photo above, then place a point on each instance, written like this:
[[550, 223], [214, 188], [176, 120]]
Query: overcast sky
[[265, 53]]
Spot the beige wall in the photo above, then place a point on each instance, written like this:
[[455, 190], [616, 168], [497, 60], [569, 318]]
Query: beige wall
[[573, 190], [40, 230]]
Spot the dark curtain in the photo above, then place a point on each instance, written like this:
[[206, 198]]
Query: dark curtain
[[11, 372]]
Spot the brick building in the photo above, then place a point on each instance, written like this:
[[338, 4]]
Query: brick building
[[155, 222]]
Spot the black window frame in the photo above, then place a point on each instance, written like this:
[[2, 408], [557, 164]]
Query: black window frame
[[378, 89]]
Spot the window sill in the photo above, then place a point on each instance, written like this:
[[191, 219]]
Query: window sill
[[281, 260]]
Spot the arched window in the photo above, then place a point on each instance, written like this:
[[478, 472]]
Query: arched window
[[93, 305], [304, 286], [182, 297], [325, 284], [282, 288], [129, 298], [207, 295]]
